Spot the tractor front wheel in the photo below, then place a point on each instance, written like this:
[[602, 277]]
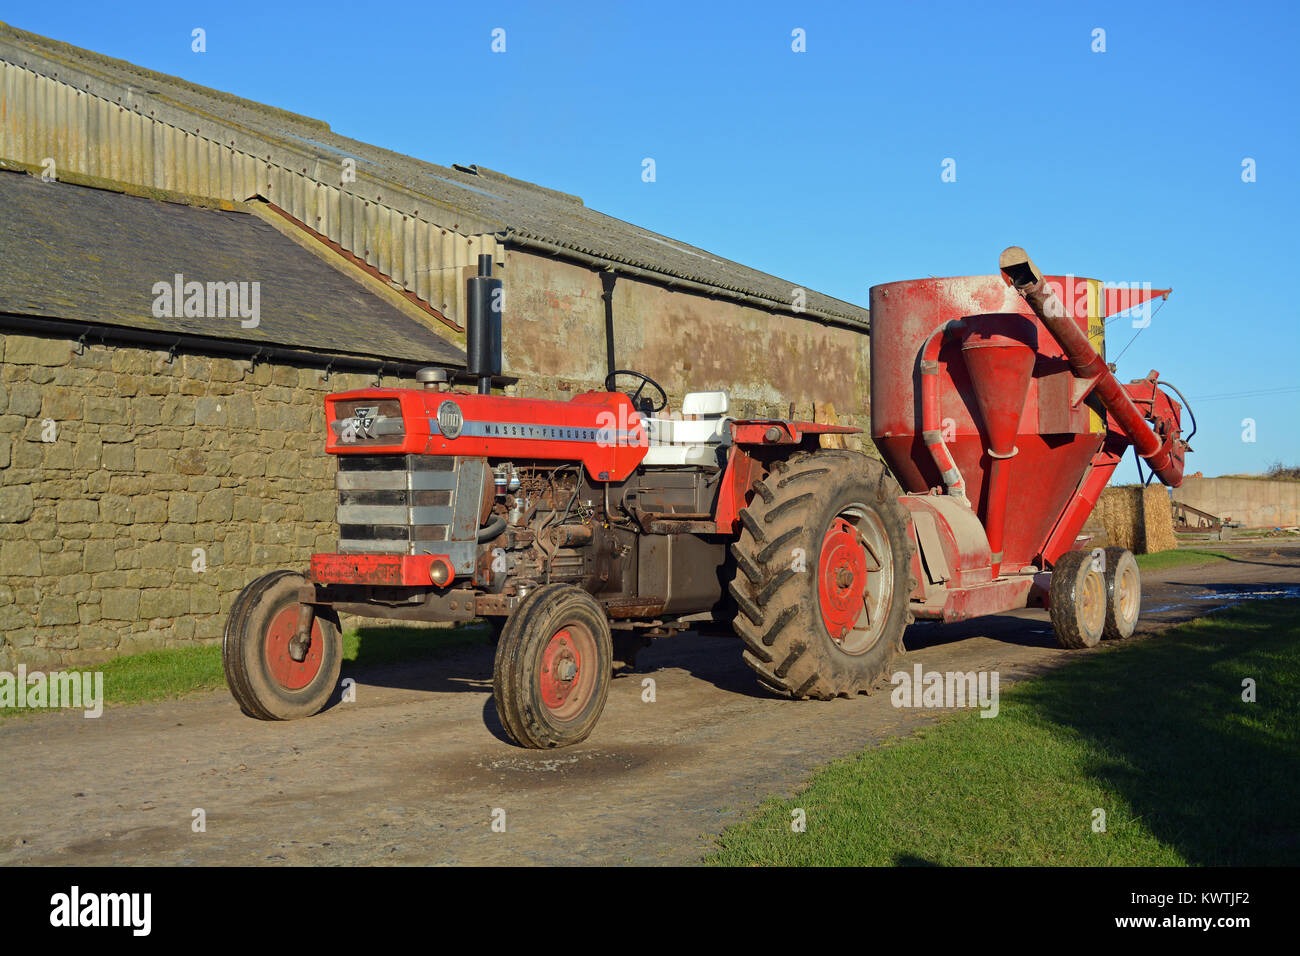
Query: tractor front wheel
[[823, 576], [553, 668], [263, 671], [1077, 600]]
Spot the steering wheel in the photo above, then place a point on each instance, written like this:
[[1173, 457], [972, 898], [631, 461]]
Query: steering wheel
[[641, 405]]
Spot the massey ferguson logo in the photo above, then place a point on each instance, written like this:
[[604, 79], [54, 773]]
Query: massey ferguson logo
[[365, 417], [450, 420], [357, 428]]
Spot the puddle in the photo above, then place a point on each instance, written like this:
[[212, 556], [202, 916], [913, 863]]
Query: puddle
[[546, 765], [565, 765], [1228, 595]]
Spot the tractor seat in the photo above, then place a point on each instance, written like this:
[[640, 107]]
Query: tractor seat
[[699, 441]]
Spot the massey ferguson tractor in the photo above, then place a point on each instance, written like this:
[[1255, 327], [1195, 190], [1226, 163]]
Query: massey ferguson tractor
[[583, 528]]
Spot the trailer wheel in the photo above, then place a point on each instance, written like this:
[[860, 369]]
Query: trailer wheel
[[823, 575], [263, 677], [1123, 594], [1077, 600], [553, 667]]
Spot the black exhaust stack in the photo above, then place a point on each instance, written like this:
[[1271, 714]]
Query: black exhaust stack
[[483, 325]]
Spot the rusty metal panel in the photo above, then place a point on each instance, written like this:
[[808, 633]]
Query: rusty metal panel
[[1055, 417]]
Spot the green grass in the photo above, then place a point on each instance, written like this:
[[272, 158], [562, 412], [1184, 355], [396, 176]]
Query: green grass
[[1154, 732], [175, 672], [1176, 557]]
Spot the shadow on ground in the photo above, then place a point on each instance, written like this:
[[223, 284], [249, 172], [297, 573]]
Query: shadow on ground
[[1208, 774]]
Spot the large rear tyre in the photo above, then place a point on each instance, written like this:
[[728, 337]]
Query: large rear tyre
[[261, 673], [553, 668], [1123, 594], [823, 575], [1077, 601]]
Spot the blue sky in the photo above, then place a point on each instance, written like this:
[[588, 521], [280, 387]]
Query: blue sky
[[823, 167]]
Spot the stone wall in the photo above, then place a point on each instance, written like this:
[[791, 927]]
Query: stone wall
[[116, 464]]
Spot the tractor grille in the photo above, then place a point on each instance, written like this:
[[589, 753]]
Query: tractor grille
[[395, 504], [367, 421]]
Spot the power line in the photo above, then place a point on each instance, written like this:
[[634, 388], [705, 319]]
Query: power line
[[1223, 396]]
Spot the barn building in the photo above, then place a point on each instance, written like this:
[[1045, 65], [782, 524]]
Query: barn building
[[186, 274]]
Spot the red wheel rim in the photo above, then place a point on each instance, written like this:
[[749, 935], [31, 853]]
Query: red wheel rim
[[566, 678], [842, 578], [288, 673]]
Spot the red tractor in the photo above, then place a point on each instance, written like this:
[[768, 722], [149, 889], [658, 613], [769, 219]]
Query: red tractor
[[583, 528]]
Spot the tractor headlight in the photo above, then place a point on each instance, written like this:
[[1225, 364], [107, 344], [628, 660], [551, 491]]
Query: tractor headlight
[[441, 572]]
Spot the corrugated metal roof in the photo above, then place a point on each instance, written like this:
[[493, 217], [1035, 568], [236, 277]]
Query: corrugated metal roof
[[415, 221], [92, 256]]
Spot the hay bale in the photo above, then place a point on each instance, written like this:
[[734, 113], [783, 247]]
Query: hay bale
[[1137, 518], [1120, 512], [1095, 531], [1157, 520]]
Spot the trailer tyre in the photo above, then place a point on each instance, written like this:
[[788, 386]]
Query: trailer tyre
[[553, 668], [262, 676], [823, 575], [1123, 594], [1077, 599]]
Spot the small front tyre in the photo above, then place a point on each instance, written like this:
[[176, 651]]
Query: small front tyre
[[263, 677], [553, 668]]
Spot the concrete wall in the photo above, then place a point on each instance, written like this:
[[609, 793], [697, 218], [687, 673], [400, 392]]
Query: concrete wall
[[554, 340], [1252, 502], [150, 460]]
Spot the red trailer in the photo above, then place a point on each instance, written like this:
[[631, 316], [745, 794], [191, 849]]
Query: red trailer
[[994, 407], [582, 529]]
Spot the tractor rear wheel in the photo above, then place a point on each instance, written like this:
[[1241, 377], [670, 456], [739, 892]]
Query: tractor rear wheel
[[1123, 594], [553, 667], [823, 575], [1077, 600], [262, 674]]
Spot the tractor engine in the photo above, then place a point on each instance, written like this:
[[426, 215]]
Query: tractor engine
[[445, 513], [560, 527]]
